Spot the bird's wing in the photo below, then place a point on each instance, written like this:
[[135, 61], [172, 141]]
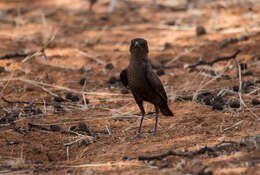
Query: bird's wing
[[154, 81], [123, 77]]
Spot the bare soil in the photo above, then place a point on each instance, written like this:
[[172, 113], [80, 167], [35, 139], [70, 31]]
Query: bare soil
[[41, 135]]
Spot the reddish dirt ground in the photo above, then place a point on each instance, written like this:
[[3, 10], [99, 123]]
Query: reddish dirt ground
[[79, 44]]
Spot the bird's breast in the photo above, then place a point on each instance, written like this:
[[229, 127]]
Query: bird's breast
[[137, 80]]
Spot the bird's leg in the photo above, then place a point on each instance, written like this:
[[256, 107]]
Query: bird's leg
[[156, 120], [155, 3], [90, 7], [91, 3], [140, 104], [112, 5]]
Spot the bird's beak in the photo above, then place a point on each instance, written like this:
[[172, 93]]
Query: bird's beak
[[136, 44]]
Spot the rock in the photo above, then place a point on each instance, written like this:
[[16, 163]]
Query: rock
[[235, 88], [234, 104], [82, 81], [255, 102], [243, 66], [113, 80], [170, 23], [200, 30], [109, 66], [55, 128], [58, 99], [71, 97]]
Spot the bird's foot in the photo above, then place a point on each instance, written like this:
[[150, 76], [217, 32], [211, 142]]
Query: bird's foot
[[138, 136], [90, 12]]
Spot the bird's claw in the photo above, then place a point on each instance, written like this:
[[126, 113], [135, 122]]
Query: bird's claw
[[138, 136]]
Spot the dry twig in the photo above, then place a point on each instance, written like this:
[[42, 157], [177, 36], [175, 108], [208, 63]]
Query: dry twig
[[211, 63], [255, 116], [90, 57], [42, 50], [210, 150], [40, 84]]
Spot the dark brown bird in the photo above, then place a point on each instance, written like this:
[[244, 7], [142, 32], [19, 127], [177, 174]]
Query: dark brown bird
[[143, 82]]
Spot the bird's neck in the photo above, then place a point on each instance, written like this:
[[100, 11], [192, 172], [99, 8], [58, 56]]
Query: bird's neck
[[138, 58]]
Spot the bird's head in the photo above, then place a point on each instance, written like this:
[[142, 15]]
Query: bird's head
[[139, 47]]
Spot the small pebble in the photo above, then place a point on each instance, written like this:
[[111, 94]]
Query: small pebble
[[112, 80], [82, 126], [167, 46], [234, 104], [69, 95], [104, 18], [255, 102], [55, 128], [171, 23], [109, 66], [82, 81], [200, 30], [235, 88], [74, 98], [72, 128], [58, 99], [243, 66]]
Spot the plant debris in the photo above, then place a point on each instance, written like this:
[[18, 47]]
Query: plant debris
[[232, 41], [211, 151], [211, 63]]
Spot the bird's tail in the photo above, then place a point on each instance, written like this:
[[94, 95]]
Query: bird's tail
[[164, 108]]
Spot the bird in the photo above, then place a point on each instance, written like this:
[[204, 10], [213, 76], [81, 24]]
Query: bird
[[143, 82]]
